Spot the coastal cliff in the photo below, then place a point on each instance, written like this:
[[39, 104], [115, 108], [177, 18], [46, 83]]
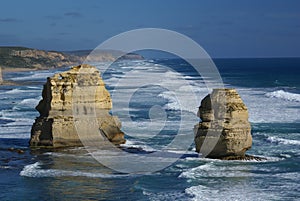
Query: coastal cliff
[[55, 125], [224, 132], [22, 57]]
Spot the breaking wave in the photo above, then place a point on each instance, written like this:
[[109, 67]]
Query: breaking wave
[[284, 95], [35, 170], [274, 139]]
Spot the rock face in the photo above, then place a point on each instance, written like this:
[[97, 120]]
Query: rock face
[[55, 126], [225, 131], [22, 57]]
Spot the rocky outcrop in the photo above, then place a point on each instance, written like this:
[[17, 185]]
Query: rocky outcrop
[[224, 131], [22, 57], [55, 126]]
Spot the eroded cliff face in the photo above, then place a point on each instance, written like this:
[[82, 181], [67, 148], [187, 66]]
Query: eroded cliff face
[[22, 57], [55, 125], [224, 131]]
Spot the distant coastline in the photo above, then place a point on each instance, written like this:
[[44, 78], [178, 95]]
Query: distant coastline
[[21, 59], [18, 59]]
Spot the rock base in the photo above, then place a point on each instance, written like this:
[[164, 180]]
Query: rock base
[[243, 158]]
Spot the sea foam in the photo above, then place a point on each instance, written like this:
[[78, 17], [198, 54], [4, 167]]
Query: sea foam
[[228, 193], [284, 95], [263, 109], [274, 139], [35, 170], [217, 170], [34, 76]]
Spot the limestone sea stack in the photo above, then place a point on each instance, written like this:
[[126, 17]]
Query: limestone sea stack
[[55, 126], [224, 132]]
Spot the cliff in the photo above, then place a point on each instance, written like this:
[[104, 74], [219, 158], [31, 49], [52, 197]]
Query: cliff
[[224, 131], [22, 57], [55, 125]]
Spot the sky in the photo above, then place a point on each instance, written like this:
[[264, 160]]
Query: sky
[[231, 28]]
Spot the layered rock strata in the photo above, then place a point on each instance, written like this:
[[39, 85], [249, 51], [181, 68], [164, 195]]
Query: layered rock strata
[[224, 131], [81, 86], [22, 57]]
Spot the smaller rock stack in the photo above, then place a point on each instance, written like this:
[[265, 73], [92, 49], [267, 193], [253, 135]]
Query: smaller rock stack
[[83, 87], [224, 132]]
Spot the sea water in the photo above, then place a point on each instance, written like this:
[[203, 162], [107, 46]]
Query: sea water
[[152, 115]]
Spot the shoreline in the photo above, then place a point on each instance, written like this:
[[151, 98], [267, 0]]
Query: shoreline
[[16, 70], [13, 70]]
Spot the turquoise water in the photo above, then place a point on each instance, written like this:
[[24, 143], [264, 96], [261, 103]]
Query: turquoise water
[[269, 87]]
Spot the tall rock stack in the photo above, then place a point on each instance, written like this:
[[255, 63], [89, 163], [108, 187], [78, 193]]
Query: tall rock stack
[[55, 127], [224, 132]]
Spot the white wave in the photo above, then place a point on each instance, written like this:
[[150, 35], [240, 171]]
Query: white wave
[[17, 117], [138, 145], [21, 122], [263, 109], [284, 95], [13, 135], [181, 100], [6, 167], [32, 87], [285, 155], [126, 67], [15, 112], [228, 193], [35, 170], [187, 77], [18, 121], [18, 124], [112, 81], [30, 102], [15, 91], [213, 170], [274, 139], [34, 76], [182, 152], [19, 91]]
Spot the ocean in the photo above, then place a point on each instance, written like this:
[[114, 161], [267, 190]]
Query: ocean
[[152, 116]]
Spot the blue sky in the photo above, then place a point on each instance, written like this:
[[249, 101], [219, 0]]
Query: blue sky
[[231, 28]]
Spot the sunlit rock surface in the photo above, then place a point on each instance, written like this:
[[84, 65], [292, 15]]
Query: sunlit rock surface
[[79, 92], [224, 131]]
